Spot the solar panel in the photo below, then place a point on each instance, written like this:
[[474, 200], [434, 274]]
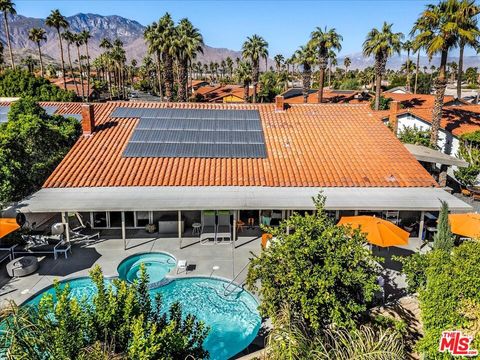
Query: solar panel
[[50, 109], [75, 116], [203, 133]]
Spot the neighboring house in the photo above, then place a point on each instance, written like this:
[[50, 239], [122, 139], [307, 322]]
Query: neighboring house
[[178, 163], [196, 84], [295, 96], [398, 90], [71, 86], [58, 108], [456, 121], [222, 94], [417, 101]]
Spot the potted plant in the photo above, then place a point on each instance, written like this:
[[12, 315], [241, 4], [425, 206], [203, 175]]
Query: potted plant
[[150, 228]]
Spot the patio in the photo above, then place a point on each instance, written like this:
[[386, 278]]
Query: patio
[[108, 253]]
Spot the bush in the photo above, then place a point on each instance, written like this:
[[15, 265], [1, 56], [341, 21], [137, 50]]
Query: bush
[[20, 83], [32, 144], [384, 103], [414, 135], [321, 270], [122, 317]]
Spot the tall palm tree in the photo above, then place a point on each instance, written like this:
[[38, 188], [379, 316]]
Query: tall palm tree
[[85, 36], [58, 21], [69, 37], [118, 57], [166, 43], [436, 30], [78, 41], [408, 46], [347, 62], [324, 41], [229, 63], [189, 43], [254, 49], [37, 35], [30, 63], [332, 61], [152, 37], [8, 7], [278, 59], [306, 56], [243, 73], [469, 34], [106, 44], [381, 44]]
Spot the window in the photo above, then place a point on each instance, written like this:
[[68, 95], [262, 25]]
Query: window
[[100, 219], [116, 219], [143, 218]]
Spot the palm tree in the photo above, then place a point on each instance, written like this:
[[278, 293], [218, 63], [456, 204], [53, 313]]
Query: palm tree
[[167, 48], [189, 43], [69, 37], [436, 30], [254, 49], [8, 7], [85, 36], [78, 41], [468, 35], [229, 63], [37, 35], [118, 57], [408, 67], [278, 59], [152, 37], [324, 40], [30, 63], [58, 21], [332, 61], [106, 44], [381, 44], [416, 49], [347, 62], [243, 73], [408, 46], [306, 57]]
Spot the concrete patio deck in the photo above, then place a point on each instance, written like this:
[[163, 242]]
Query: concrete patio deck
[[108, 253]]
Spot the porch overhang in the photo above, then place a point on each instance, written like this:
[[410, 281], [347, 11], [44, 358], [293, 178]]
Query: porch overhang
[[235, 198], [425, 154]]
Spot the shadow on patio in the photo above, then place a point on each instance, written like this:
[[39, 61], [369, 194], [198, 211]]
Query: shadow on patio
[[82, 258]]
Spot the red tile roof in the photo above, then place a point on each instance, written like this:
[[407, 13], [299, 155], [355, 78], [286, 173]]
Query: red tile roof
[[458, 120], [307, 145], [415, 101], [329, 96]]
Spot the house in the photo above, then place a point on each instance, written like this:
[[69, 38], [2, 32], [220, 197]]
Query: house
[[398, 90], [76, 87], [456, 121], [222, 94], [174, 164], [417, 101], [295, 96], [196, 84]]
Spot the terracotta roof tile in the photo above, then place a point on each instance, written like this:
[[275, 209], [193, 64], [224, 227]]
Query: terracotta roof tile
[[329, 145]]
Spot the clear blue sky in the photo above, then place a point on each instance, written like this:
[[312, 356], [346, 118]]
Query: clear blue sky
[[284, 24]]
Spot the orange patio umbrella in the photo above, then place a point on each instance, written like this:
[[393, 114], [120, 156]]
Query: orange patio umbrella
[[467, 225], [379, 232], [8, 225]]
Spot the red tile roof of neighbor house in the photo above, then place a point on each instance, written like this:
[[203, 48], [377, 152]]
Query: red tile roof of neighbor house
[[307, 146], [416, 101], [329, 96], [458, 120]]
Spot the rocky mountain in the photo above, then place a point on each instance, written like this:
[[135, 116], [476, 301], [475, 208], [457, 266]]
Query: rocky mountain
[[111, 27]]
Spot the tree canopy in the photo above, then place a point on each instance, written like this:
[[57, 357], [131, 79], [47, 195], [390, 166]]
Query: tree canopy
[[121, 316], [20, 83], [32, 143], [323, 271]]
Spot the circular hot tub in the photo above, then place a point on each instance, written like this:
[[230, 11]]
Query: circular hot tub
[[157, 266]]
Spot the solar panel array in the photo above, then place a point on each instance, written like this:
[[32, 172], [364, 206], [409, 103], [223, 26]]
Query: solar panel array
[[201, 133], [50, 110]]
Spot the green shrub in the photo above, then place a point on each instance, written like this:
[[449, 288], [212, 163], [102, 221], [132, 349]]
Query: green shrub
[[414, 135], [20, 83]]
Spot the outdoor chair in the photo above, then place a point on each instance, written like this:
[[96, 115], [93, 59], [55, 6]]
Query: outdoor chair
[[7, 253], [43, 245], [224, 227], [182, 265], [83, 232], [209, 230]]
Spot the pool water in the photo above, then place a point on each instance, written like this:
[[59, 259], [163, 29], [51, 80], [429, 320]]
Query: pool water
[[157, 265], [231, 313]]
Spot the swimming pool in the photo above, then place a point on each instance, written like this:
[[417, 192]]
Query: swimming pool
[[231, 313], [157, 265]]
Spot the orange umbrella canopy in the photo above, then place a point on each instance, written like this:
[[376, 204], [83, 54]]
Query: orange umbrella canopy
[[7, 226], [379, 232], [465, 224]]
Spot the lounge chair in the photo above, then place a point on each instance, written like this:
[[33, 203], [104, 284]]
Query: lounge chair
[[224, 227], [209, 230], [83, 232], [7, 253], [42, 245]]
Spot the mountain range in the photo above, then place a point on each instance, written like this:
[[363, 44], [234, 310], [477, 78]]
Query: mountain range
[[131, 33]]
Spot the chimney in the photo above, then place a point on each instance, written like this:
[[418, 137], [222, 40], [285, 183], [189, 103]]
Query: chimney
[[88, 119], [279, 103], [392, 118]]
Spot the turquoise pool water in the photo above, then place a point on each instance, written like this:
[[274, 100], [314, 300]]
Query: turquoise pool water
[[231, 315], [157, 265]]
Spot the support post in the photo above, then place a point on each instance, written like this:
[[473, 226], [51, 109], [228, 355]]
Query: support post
[[234, 227], [67, 227], [421, 226], [124, 232], [180, 227]]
